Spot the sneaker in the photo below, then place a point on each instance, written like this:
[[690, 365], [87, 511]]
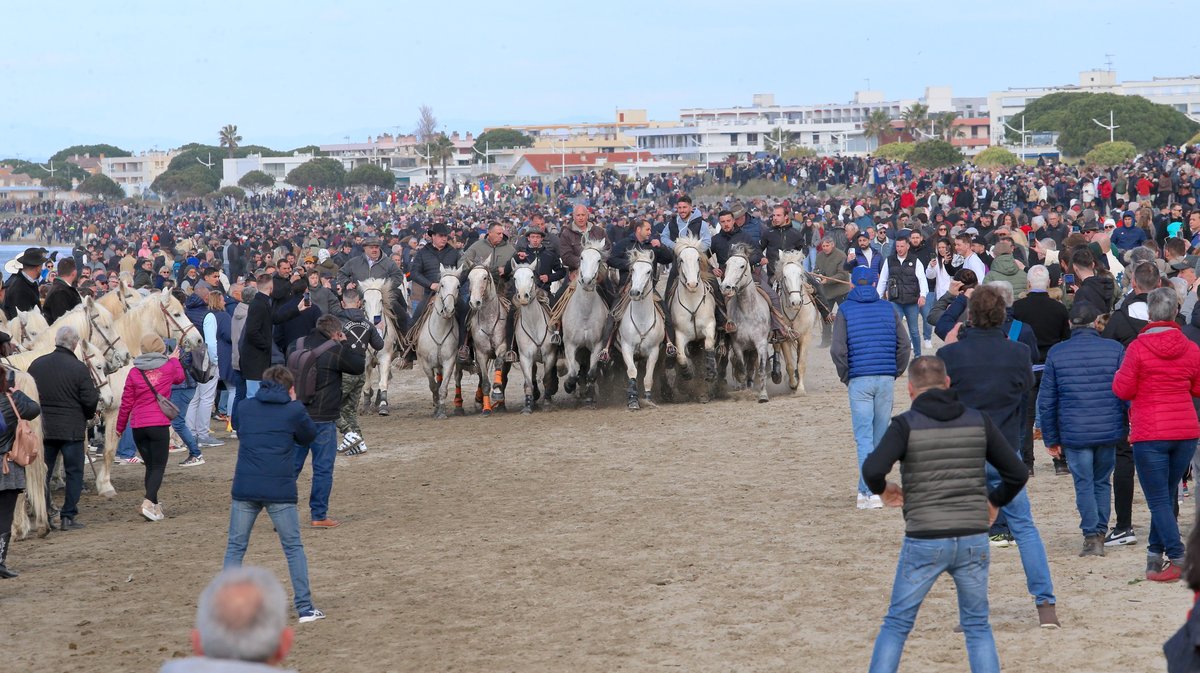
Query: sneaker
[[356, 450], [1120, 536], [326, 523], [175, 448], [311, 615], [134, 460], [192, 461], [1048, 616], [98, 449], [210, 442], [1170, 572], [349, 441], [864, 501], [150, 511], [928, 344], [1061, 470], [1001, 540], [159, 511], [874, 502]]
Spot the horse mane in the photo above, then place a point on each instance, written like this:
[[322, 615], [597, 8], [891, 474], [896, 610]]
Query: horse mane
[[593, 244], [741, 250], [385, 291], [788, 257], [139, 320]]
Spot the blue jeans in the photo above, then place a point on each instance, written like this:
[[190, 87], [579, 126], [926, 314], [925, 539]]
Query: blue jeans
[[324, 450], [252, 388], [1029, 542], [126, 447], [1092, 469], [870, 414], [1160, 467], [182, 397], [912, 315], [239, 394], [921, 563], [930, 300], [286, 520]]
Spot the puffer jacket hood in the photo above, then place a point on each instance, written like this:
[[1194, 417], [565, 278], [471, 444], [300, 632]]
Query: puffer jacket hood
[[1005, 265], [864, 294], [272, 393], [149, 361], [940, 404], [1164, 339], [1159, 377]]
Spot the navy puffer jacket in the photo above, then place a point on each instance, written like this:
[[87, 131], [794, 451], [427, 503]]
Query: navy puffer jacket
[[269, 427], [870, 333], [1076, 403]]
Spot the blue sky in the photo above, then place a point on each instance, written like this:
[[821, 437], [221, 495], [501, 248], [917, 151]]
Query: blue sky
[[145, 74]]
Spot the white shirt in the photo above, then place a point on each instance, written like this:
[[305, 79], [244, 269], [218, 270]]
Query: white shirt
[[975, 264], [881, 286]]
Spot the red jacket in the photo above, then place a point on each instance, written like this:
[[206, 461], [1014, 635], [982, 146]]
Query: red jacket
[[1159, 377], [139, 406]]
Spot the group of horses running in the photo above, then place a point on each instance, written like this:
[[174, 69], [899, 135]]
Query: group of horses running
[[635, 327]]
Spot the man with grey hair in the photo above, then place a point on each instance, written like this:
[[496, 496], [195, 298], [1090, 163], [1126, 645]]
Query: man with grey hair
[[241, 625], [68, 398], [1051, 325]]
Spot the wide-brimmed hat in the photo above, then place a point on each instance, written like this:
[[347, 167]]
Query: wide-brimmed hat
[[439, 228], [32, 257]]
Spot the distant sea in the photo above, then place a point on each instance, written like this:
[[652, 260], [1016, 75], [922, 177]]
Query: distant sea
[[13, 250]]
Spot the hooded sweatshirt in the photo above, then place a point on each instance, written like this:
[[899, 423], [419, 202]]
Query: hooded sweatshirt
[[1004, 267]]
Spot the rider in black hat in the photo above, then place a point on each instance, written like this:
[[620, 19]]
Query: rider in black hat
[[21, 290]]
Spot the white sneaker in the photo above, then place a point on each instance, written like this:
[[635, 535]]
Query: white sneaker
[[151, 511], [863, 501], [928, 344], [874, 502], [349, 441]]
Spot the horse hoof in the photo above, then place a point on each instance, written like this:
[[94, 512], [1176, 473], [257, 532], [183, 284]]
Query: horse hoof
[[569, 385], [763, 399], [383, 411], [109, 492], [686, 373], [634, 406], [526, 410], [485, 413], [650, 404], [704, 399], [458, 411]]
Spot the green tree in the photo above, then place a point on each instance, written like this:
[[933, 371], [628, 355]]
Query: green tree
[[256, 180], [62, 169], [191, 181], [943, 126], [914, 115], [996, 156], [322, 173], [895, 151], [878, 125], [230, 138], [1111, 154], [57, 182], [501, 139], [935, 154], [93, 150], [798, 152], [370, 175], [1147, 125], [442, 150], [101, 185], [235, 193]]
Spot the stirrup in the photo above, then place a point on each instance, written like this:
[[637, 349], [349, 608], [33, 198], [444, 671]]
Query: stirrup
[[511, 356], [730, 327], [777, 337], [604, 356], [671, 350], [556, 338]]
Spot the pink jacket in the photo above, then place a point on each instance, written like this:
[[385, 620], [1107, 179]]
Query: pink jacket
[[138, 400]]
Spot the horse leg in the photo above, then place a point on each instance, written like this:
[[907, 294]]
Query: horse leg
[[104, 466], [648, 378], [384, 366], [802, 360], [445, 373], [458, 398], [789, 351], [764, 363], [551, 380], [527, 371], [631, 372], [571, 356]]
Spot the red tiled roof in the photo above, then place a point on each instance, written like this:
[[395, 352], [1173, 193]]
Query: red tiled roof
[[550, 162]]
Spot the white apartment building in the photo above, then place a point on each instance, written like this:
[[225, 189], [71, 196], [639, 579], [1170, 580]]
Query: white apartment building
[[135, 174], [1181, 93], [276, 167]]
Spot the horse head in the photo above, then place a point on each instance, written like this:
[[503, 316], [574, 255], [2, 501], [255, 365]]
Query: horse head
[[174, 323], [523, 285], [100, 322], [591, 264], [449, 282], [737, 271], [375, 298], [688, 252], [480, 285], [790, 269], [93, 357], [641, 273]]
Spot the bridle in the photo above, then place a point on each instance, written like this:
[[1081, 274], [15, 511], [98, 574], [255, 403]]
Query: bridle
[[744, 279], [491, 283], [633, 320], [804, 296], [172, 322], [705, 292], [109, 344], [438, 308], [601, 267]]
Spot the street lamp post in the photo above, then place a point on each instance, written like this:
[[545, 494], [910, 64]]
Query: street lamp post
[[1022, 132], [1111, 126]]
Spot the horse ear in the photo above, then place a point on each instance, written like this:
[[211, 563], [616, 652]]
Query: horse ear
[[164, 296]]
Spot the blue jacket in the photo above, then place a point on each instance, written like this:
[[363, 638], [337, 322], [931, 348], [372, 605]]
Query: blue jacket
[[269, 427], [869, 342], [195, 309], [991, 374], [1076, 403], [224, 345], [861, 260]]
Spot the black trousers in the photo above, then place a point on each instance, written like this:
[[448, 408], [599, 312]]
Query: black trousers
[[1123, 485], [73, 458], [8, 505], [154, 443]]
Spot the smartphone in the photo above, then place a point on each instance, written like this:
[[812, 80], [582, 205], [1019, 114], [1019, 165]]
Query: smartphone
[[1068, 279], [307, 298]]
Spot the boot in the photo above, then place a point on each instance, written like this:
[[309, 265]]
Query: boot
[[1093, 545], [776, 370], [5, 541], [1047, 616]]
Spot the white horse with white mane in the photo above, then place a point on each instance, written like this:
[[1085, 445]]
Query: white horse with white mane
[[693, 310], [751, 312], [799, 311], [487, 330], [95, 325], [642, 329], [437, 341], [585, 323], [377, 304], [533, 336]]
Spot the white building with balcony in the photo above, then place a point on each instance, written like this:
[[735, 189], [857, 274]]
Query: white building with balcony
[[276, 167], [135, 174]]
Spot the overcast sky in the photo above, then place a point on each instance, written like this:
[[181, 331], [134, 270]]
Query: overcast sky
[[145, 74]]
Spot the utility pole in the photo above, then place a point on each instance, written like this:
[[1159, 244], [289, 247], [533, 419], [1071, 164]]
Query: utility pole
[[1022, 132], [1110, 125], [210, 163]]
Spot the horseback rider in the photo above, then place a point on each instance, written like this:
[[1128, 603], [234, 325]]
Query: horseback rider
[[641, 239], [426, 273], [547, 269], [495, 252], [730, 234], [779, 237], [372, 263]]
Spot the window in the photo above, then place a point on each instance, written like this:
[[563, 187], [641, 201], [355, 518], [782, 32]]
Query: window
[[733, 139], [816, 138], [751, 138]]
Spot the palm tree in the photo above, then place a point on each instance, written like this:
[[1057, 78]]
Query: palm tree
[[230, 138], [877, 125], [943, 126], [913, 116], [780, 141], [443, 150]]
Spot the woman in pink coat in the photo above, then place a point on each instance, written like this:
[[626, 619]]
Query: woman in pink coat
[[152, 371]]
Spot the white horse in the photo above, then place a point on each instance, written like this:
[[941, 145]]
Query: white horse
[[377, 304], [585, 323], [27, 327], [751, 312], [796, 302], [94, 324], [437, 341], [160, 314], [693, 309], [533, 329], [489, 335], [35, 474], [641, 331], [120, 300]]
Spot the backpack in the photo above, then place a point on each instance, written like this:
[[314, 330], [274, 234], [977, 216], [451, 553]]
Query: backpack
[[24, 442], [303, 365], [201, 366]]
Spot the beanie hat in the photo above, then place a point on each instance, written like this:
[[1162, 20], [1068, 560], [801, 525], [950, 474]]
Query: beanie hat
[[152, 343]]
